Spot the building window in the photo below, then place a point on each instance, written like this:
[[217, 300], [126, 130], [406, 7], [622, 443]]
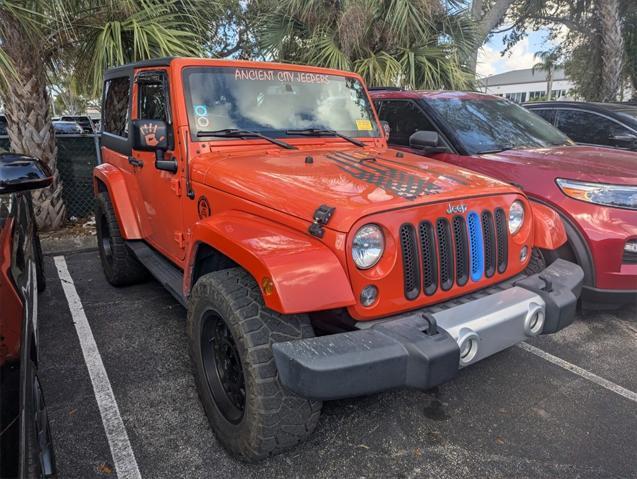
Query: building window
[[519, 97], [537, 95]]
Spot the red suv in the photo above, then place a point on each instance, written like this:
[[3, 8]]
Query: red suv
[[594, 189]]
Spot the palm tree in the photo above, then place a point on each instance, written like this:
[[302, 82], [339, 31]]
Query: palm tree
[[411, 43], [548, 63], [84, 36]]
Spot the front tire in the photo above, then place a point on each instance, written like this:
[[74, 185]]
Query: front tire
[[120, 266], [231, 335]]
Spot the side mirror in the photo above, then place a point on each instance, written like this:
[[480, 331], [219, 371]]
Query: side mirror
[[626, 140], [22, 173], [426, 141], [150, 135]]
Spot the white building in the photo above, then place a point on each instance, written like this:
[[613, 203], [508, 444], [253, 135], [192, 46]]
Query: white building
[[526, 85]]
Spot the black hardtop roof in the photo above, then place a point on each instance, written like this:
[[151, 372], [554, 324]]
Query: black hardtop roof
[[124, 70]]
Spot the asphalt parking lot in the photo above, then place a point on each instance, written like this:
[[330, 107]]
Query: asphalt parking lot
[[513, 415]]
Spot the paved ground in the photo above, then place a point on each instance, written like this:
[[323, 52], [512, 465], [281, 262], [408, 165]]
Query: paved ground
[[512, 415]]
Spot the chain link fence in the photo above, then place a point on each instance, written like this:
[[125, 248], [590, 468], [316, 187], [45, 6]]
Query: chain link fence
[[77, 155]]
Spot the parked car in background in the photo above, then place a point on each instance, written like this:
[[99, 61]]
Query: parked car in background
[[605, 124], [84, 121], [25, 439], [3, 125], [67, 128], [594, 189]]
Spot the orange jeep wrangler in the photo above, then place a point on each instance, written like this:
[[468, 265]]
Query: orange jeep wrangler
[[315, 262]]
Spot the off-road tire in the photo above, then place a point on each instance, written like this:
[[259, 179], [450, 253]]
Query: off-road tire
[[274, 419], [120, 266]]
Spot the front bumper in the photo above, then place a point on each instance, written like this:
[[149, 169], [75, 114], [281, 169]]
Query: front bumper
[[422, 349]]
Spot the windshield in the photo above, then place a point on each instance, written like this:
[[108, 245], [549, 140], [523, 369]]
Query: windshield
[[492, 125], [273, 101]]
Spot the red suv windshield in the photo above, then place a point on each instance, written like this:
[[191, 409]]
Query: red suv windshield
[[491, 125]]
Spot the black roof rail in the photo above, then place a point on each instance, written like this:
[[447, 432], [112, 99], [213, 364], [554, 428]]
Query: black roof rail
[[390, 88]]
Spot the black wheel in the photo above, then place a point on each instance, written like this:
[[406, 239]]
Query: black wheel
[[231, 335], [120, 266]]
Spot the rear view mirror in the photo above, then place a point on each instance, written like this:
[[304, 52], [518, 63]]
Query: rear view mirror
[[150, 135], [22, 173]]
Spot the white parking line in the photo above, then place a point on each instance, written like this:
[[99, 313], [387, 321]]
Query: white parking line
[[605, 383], [123, 457]]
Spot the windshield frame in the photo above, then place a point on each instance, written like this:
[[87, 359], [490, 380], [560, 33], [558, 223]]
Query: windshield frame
[[461, 144], [374, 134]]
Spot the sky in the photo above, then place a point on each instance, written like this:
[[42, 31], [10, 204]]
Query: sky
[[491, 62]]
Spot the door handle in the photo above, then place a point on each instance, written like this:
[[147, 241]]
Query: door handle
[[135, 162]]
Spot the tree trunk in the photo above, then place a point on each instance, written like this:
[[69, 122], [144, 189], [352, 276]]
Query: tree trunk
[[612, 48], [29, 120], [486, 22], [549, 84]]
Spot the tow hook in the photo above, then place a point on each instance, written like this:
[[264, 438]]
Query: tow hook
[[322, 216], [432, 324]]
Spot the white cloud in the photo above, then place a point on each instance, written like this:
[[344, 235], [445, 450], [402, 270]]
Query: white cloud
[[490, 61], [487, 59]]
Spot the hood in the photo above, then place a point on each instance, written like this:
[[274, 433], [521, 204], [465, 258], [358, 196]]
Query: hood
[[356, 182], [585, 163]]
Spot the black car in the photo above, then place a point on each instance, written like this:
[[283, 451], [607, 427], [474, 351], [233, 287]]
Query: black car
[[25, 439], [84, 121], [67, 128], [605, 124]]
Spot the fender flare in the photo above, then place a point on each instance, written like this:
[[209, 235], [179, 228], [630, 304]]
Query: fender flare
[[113, 179], [548, 228], [575, 240], [295, 272]]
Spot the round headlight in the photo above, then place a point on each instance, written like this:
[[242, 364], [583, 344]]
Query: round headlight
[[516, 217], [368, 246]]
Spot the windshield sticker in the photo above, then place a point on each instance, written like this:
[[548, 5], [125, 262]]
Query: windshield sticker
[[201, 116], [364, 125], [258, 74]]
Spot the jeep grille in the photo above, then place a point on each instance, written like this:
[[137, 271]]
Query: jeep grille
[[451, 252]]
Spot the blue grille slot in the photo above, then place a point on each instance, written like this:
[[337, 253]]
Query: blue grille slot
[[476, 241]]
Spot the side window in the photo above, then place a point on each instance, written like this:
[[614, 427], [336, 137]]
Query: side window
[[152, 99], [587, 127], [546, 113], [404, 118], [116, 96]]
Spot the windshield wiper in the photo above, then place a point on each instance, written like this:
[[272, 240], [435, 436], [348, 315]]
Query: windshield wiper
[[236, 133], [322, 132], [499, 149]]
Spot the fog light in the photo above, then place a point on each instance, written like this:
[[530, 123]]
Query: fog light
[[468, 343], [369, 295], [524, 252], [534, 321]]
